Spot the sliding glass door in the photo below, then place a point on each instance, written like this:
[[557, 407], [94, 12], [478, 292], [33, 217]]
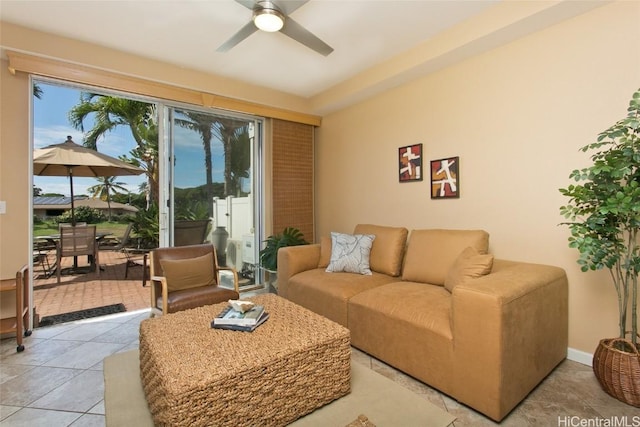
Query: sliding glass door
[[213, 165]]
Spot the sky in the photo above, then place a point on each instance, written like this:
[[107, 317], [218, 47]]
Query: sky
[[51, 126], [189, 167]]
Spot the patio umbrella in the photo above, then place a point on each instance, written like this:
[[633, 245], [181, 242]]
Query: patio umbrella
[[70, 159]]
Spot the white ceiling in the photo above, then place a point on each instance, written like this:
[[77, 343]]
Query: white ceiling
[[187, 33], [363, 33]]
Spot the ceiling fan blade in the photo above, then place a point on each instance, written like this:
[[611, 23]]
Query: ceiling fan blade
[[249, 4], [244, 32], [287, 6], [300, 34]]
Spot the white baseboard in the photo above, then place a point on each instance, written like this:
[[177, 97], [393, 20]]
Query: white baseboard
[[580, 356]]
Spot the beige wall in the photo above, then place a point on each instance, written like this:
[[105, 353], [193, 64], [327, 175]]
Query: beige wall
[[14, 173], [516, 116]]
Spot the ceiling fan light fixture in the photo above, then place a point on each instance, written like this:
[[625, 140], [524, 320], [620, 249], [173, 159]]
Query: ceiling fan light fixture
[[269, 20], [273, 16]]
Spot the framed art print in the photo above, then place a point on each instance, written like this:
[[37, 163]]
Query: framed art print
[[445, 178], [410, 163]]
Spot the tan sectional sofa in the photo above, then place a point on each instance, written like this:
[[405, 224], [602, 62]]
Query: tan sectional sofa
[[484, 339]]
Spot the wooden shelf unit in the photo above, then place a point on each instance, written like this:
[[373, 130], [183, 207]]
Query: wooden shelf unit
[[20, 322]]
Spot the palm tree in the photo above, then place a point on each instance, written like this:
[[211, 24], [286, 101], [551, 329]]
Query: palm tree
[[234, 136], [111, 112], [143, 188], [240, 159], [146, 158], [225, 128], [37, 91], [203, 124], [105, 188]]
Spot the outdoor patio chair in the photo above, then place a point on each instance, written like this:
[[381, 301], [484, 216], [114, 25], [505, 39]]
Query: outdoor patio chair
[[137, 257], [41, 249], [127, 247], [68, 224], [76, 241], [186, 277], [117, 243], [190, 232]]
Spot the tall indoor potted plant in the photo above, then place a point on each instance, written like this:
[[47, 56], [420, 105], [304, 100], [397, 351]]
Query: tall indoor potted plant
[[604, 218]]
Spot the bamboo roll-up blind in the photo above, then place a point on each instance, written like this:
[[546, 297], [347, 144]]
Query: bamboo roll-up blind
[[292, 182]]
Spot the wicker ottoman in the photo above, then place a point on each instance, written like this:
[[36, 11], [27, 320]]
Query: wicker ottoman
[[193, 375]]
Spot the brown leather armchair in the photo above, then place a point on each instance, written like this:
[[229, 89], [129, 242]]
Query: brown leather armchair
[[186, 277]]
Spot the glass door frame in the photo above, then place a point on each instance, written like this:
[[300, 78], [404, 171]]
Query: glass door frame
[[166, 152]]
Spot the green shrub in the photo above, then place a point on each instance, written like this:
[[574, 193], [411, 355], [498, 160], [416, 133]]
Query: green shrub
[[146, 227], [192, 211], [83, 214]]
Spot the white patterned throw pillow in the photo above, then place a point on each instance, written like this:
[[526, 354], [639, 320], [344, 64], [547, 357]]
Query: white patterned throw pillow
[[350, 253]]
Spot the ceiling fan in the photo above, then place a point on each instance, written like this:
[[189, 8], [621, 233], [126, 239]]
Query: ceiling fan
[[272, 16]]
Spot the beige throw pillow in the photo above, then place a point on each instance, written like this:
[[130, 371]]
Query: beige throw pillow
[[188, 273], [469, 265], [388, 247], [432, 252]]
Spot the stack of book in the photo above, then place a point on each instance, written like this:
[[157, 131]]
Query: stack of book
[[239, 317]]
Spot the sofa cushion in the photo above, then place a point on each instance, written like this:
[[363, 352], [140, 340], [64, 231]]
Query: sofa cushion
[[325, 252], [388, 247], [432, 253], [469, 265], [350, 253], [189, 272], [408, 325], [328, 293]]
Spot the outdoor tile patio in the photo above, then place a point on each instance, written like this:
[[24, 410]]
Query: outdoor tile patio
[[83, 291]]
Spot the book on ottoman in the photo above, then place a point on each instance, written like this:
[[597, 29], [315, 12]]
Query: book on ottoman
[[231, 316], [247, 328]]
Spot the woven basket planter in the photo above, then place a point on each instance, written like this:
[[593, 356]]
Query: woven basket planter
[[618, 371]]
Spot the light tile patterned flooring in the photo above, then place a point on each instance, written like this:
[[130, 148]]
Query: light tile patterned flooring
[[58, 379]]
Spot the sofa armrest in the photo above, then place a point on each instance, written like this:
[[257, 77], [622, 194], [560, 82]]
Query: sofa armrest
[[510, 330], [293, 260]]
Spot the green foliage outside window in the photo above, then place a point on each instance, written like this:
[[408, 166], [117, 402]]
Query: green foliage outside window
[[82, 214]]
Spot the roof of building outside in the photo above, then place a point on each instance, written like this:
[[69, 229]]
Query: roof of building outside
[[54, 200], [65, 203]]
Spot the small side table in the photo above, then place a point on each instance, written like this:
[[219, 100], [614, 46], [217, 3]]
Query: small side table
[[131, 262], [20, 322]]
